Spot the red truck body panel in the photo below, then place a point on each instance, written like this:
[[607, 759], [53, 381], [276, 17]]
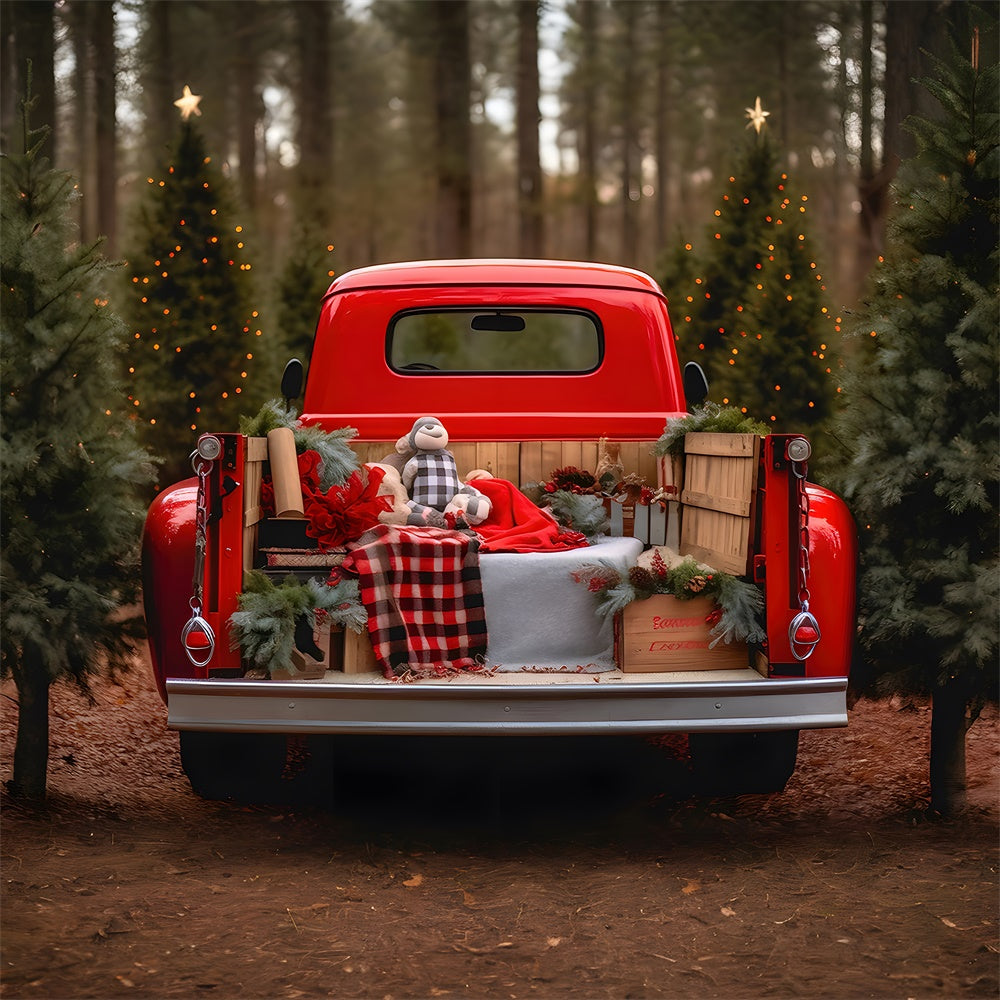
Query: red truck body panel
[[628, 397]]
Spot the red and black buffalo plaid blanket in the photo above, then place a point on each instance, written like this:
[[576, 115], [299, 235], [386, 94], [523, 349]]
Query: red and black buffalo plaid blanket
[[424, 597]]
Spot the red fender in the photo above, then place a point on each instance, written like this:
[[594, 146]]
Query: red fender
[[167, 572], [833, 559]]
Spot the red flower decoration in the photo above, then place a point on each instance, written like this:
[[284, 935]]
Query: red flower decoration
[[309, 463], [345, 512]]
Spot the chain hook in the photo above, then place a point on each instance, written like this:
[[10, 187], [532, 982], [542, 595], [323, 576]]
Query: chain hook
[[803, 633], [198, 638], [197, 635]]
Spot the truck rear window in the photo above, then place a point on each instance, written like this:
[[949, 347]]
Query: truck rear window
[[497, 341]]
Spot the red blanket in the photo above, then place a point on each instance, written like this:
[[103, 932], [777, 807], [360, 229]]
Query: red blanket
[[516, 525], [424, 597]]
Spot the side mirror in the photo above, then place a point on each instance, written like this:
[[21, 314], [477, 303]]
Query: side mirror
[[695, 384], [291, 380]]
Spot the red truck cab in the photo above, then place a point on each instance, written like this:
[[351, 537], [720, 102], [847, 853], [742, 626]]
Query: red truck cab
[[531, 366]]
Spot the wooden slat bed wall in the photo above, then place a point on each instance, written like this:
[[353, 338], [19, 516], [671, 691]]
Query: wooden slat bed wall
[[528, 461]]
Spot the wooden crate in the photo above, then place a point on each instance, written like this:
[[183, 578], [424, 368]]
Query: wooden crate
[[719, 500], [253, 475], [359, 657], [663, 633]]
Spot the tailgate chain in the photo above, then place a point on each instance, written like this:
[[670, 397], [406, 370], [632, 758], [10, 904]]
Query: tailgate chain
[[197, 636], [803, 631]]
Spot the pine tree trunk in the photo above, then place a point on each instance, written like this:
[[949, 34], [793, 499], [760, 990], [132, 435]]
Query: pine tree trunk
[[452, 127], [31, 751], [158, 80], [663, 134], [631, 178], [529, 168], [948, 728], [587, 174], [105, 133]]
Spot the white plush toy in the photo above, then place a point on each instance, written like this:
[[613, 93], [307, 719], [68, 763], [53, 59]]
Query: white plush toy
[[437, 496]]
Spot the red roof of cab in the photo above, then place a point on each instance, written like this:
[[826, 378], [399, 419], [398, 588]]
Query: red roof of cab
[[499, 271]]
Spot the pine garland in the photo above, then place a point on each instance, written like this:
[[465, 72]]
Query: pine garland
[[582, 512], [740, 603], [710, 418], [263, 628], [338, 460]]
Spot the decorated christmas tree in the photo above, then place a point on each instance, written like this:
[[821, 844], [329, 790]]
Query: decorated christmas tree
[[69, 519], [196, 337], [748, 299], [921, 425]]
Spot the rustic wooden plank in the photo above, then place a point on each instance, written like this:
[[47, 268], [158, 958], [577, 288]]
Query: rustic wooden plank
[[647, 464], [485, 458], [704, 443], [531, 463], [255, 454], [508, 461], [256, 450], [358, 655], [465, 455], [552, 456], [730, 505], [373, 451], [571, 453]]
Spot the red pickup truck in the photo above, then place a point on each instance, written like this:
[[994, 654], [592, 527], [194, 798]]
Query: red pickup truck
[[532, 367]]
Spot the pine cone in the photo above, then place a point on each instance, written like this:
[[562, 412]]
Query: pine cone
[[641, 579]]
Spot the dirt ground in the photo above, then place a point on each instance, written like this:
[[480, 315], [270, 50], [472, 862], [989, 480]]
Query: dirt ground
[[514, 871]]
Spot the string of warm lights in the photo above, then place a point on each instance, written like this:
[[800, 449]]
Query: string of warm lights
[[741, 331], [201, 251]]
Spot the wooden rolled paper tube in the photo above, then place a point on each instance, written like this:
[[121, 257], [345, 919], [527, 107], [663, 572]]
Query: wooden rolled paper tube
[[284, 473]]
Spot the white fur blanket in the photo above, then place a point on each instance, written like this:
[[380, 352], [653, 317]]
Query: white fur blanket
[[540, 618]]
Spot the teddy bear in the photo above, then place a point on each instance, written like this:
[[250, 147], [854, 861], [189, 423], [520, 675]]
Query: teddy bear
[[437, 497]]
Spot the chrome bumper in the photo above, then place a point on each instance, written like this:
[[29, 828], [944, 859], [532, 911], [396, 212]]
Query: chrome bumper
[[438, 709]]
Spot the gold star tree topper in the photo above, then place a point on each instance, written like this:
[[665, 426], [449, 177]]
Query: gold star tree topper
[[188, 103], [757, 116]]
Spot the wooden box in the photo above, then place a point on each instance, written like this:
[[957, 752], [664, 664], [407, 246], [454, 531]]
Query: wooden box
[[719, 497], [663, 633], [253, 475], [359, 657]]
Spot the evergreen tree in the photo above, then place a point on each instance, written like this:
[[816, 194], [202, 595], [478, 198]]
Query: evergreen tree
[[70, 521], [305, 277], [196, 337], [748, 302], [920, 426]]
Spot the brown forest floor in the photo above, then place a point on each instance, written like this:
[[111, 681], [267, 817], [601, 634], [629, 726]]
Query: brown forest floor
[[601, 876]]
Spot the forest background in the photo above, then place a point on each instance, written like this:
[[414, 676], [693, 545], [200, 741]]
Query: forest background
[[357, 132]]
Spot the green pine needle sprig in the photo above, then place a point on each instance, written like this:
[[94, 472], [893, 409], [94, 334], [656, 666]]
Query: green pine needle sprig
[[338, 460], [263, 629], [710, 418]]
